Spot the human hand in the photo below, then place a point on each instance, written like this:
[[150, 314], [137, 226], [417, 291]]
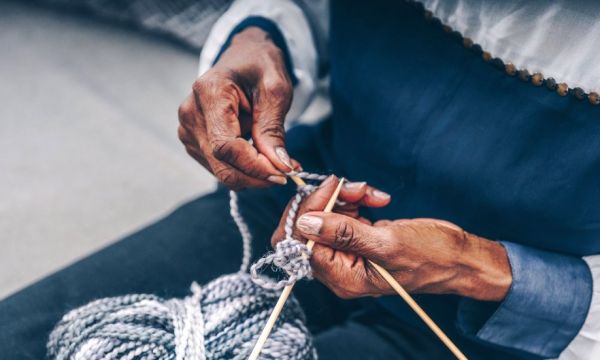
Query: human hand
[[248, 90], [423, 255]]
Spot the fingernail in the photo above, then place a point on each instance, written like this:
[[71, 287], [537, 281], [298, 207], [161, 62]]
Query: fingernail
[[309, 224], [327, 181], [281, 180], [381, 195], [284, 157], [354, 185]]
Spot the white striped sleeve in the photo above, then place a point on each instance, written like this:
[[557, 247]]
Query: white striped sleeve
[[586, 344], [294, 27]]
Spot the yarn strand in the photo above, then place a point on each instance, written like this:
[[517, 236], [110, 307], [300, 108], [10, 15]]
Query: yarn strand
[[291, 255], [220, 320]]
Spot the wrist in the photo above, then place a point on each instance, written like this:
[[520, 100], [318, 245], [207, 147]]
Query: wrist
[[254, 44], [486, 272], [251, 34]]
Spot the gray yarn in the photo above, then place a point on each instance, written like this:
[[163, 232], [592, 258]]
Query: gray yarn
[[221, 320], [291, 255]]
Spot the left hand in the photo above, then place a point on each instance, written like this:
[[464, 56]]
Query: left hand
[[423, 255]]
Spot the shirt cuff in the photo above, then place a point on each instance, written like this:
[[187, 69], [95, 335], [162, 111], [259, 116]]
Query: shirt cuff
[[544, 309], [586, 345], [289, 22]]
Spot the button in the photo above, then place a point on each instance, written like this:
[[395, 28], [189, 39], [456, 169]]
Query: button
[[594, 98], [498, 63], [562, 89], [524, 75], [537, 79], [510, 69], [468, 43], [486, 56], [551, 83], [579, 93]]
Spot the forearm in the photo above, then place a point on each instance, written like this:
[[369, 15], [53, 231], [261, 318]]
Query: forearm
[[486, 273], [543, 310]]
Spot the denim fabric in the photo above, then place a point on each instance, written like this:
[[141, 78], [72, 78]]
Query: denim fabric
[[549, 295]]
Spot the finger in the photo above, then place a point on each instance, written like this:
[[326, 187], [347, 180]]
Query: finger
[[383, 222], [375, 198], [238, 153], [365, 220], [186, 111], [343, 233], [344, 273], [235, 179], [363, 194], [219, 100], [296, 165], [352, 192], [271, 102], [186, 137], [314, 202]]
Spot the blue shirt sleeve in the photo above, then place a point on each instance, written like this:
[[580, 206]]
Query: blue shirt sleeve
[[544, 309]]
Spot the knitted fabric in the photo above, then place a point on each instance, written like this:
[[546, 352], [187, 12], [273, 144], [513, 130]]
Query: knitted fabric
[[291, 256], [221, 320]]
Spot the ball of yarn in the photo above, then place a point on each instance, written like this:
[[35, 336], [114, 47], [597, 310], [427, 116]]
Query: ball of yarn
[[221, 320]]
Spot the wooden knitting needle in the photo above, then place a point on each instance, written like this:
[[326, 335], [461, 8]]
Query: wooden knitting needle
[[288, 289], [409, 300], [419, 311], [386, 276]]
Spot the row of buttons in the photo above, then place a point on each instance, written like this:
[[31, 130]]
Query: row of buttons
[[536, 79]]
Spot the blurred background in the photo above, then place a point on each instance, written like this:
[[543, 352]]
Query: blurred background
[[88, 144]]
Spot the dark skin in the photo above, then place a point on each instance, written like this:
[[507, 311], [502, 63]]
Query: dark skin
[[248, 91]]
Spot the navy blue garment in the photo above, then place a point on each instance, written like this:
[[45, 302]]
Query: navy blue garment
[[452, 137]]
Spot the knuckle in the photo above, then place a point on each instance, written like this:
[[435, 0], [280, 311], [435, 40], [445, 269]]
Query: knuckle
[[278, 88], [274, 52], [273, 129], [222, 150], [208, 83], [182, 134], [229, 177], [185, 112], [344, 236]]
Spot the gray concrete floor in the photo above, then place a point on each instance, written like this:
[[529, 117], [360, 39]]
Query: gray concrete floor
[[88, 146]]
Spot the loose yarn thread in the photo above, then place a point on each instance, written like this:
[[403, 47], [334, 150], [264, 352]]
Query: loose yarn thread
[[221, 320], [290, 255]]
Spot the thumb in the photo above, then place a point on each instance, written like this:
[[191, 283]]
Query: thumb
[[270, 105], [342, 233]]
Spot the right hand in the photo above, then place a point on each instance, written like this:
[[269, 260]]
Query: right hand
[[247, 91]]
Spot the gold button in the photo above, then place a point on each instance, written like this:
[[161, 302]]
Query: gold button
[[562, 89], [467, 42], [537, 79], [486, 56], [447, 28], [594, 98], [510, 69]]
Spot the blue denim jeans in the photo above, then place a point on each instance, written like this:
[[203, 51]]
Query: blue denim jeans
[[199, 242]]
